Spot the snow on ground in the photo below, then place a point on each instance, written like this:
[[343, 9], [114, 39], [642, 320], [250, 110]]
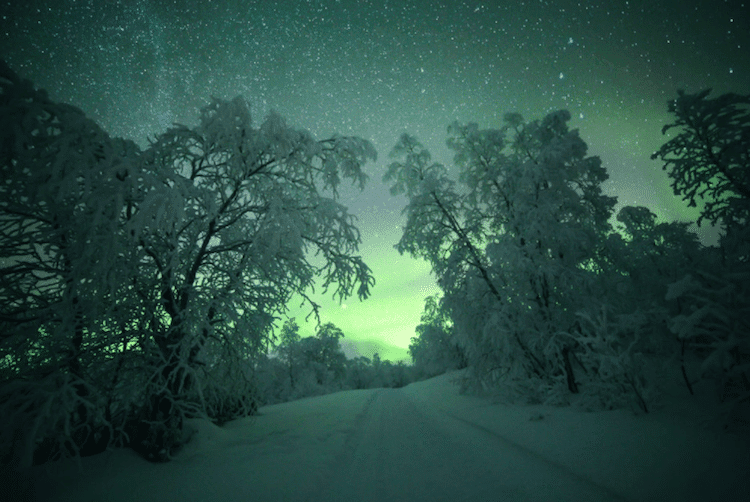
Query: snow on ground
[[424, 442], [672, 453]]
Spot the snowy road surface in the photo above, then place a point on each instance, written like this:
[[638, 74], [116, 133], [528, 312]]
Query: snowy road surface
[[402, 451], [423, 442]]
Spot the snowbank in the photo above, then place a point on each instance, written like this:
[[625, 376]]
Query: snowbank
[[672, 453]]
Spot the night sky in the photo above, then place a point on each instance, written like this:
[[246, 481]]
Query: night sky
[[379, 68]]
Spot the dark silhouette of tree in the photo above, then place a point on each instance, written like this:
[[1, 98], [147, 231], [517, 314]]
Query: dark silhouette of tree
[[708, 160], [63, 271]]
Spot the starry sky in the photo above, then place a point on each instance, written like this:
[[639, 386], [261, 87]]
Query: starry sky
[[378, 68]]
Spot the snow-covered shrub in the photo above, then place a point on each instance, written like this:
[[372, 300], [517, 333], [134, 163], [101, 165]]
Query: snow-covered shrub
[[714, 324], [228, 393], [608, 365], [271, 376], [155, 428], [642, 257], [308, 385], [49, 418]]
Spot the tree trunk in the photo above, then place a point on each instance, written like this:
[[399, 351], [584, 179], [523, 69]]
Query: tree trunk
[[156, 430], [572, 385], [684, 372]]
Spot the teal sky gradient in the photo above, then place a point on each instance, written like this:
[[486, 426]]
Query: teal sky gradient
[[379, 68]]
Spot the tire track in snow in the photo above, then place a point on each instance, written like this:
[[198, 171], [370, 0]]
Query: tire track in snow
[[351, 443], [398, 454], [510, 444]]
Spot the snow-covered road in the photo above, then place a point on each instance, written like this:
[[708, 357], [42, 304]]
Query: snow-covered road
[[402, 450], [423, 442]]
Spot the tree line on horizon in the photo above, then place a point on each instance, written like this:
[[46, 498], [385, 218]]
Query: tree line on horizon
[[300, 367], [140, 287]]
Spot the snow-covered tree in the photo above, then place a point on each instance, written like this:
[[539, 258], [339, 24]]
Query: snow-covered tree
[[359, 373], [227, 221], [434, 350], [289, 349], [315, 364], [329, 352], [63, 269], [401, 374], [137, 287], [709, 163], [642, 258], [514, 250]]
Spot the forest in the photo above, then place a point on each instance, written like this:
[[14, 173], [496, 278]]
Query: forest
[[141, 287]]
